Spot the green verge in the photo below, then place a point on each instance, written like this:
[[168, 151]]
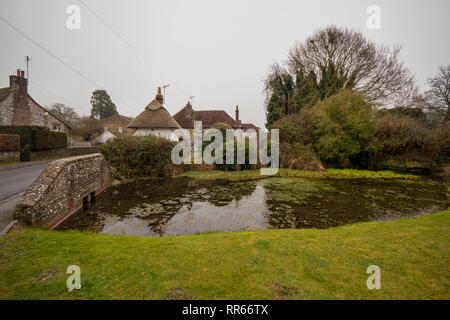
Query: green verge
[[327, 174], [272, 264]]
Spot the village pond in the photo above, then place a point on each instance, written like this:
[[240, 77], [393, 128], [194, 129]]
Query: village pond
[[179, 206]]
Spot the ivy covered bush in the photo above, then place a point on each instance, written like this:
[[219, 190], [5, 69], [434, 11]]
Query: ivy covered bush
[[38, 138], [10, 142], [141, 156]]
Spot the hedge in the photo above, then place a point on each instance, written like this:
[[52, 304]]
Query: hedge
[[9, 142], [38, 138], [141, 156], [57, 140]]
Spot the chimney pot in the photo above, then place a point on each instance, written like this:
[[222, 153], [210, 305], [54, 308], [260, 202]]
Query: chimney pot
[[22, 74], [237, 114], [159, 96], [18, 72]]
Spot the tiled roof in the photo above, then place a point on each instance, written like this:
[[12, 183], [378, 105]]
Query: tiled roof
[[186, 117], [247, 126], [117, 118], [211, 117]]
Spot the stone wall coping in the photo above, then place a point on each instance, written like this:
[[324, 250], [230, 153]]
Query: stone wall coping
[[41, 185]]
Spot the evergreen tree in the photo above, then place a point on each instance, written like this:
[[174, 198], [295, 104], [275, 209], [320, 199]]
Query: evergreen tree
[[306, 91], [331, 81], [273, 111], [102, 105]]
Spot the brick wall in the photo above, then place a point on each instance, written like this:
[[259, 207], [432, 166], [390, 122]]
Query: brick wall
[[61, 187]]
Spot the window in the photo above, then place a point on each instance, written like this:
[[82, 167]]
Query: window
[[120, 129], [55, 127], [198, 126]]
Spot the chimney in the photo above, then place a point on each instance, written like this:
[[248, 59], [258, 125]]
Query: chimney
[[19, 83], [189, 111], [159, 96], [237, 114]]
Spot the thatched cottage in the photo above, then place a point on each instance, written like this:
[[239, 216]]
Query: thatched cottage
[[156, 120]]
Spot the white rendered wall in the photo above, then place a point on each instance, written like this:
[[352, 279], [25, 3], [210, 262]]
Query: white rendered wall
[[162, 132]]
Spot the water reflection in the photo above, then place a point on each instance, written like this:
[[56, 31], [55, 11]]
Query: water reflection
[[185, 206], [248, 213]]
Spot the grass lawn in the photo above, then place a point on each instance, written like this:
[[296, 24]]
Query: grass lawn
[[327, 174], [413, 255]]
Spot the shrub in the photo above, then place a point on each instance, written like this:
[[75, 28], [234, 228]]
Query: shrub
[[57, 140], [222, 127], [343, 129], [440, 146], [38, 138], [10, 142], [299, 156], [401, 135], [235, 166], [146, 156], [416, 113], [88, 129], [294, 129], [26, 153]]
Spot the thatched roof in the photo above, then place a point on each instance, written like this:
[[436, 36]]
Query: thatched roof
[[154, 116]]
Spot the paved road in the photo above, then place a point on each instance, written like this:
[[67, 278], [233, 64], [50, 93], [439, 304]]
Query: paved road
[[16, 181], [13, 182]]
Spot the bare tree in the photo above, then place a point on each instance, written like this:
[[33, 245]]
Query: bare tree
[[64, 112], [88, 128], [438, 97], [373, 70]]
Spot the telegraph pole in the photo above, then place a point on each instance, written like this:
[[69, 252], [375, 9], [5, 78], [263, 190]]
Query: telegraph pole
[[27, 58], [164, 91]]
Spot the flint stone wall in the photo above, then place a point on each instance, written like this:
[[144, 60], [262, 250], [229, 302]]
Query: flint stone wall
[[65, 152], [60, 189], [9, 156]]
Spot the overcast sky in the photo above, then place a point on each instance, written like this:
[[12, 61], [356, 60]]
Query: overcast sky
[[217, 51]]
